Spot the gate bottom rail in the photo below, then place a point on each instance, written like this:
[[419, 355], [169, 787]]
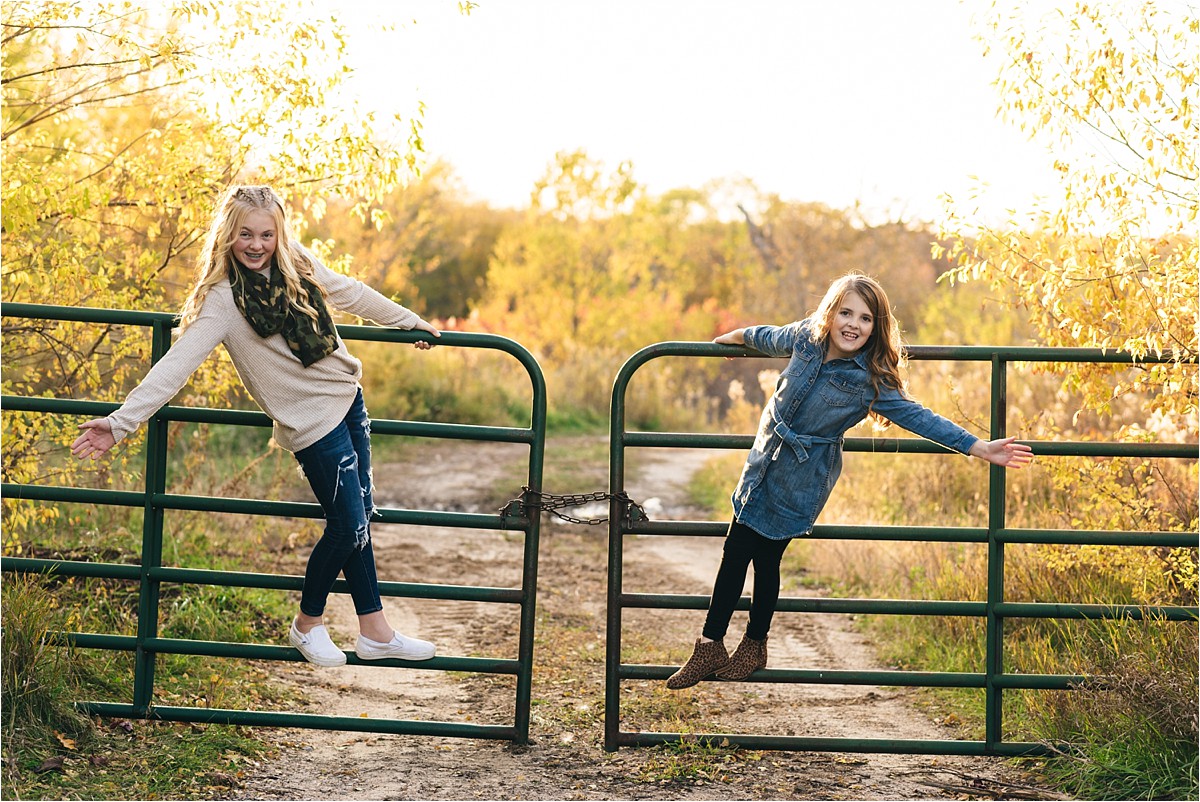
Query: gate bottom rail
[[251, 718], [795, 743]]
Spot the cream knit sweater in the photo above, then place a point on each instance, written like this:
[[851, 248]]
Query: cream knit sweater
[[304, 403]]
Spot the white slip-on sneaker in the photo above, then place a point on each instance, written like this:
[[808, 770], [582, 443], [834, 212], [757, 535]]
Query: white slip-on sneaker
[[400, 647], [316, 646]]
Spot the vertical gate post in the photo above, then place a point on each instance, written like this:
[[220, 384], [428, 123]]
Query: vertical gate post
[[529, 569], [994, 660], [616, 540], [152, 529]]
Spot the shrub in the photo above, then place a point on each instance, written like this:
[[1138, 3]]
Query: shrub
[[1135, 736], [40, 679]]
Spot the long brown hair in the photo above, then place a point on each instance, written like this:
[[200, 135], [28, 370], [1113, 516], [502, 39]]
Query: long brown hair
[[216, 258], [884, 350]]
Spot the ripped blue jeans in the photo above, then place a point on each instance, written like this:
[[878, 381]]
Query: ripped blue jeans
[[338, 468]]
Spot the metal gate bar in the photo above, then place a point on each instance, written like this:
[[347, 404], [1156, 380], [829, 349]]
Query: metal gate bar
[[994, 610], [150, 574]]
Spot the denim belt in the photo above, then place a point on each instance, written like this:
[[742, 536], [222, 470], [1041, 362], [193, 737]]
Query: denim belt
[[800, 443]]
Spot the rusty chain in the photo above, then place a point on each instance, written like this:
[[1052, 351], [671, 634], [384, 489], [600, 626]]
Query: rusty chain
[[552, 503]]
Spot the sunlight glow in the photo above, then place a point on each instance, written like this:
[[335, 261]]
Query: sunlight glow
[[872, 103]]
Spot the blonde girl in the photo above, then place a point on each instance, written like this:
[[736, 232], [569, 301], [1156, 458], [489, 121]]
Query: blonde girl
[[265, 298]]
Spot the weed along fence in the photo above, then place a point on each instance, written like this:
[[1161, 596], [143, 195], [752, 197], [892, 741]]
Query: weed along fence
[[996, 535], [151, 575]]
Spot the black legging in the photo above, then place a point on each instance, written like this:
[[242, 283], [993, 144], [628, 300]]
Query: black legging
[[743, 546]]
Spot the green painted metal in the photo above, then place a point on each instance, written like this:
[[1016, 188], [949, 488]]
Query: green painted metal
[[152, 530], [994, 637], [150, 574], [895, 445], [861, 745], [994, 610], [251, 718]]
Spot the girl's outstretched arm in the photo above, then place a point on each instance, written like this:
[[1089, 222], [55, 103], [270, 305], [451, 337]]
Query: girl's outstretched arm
[[96, 440], [1004, 452]]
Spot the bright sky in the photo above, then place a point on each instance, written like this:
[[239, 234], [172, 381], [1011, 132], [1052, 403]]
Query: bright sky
[[881, 102]]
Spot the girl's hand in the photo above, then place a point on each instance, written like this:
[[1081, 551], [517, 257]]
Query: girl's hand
[[425, 345], [735, 337], [97, 439], [1003, 452]]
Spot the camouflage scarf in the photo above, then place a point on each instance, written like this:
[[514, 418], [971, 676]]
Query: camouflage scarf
[[263, 302]]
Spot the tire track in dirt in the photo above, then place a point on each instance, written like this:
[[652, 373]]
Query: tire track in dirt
[[565, 759]]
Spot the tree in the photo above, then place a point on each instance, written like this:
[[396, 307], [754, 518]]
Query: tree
[[1111, 88], [432, 253], [588, 276], [551, 272], [803, 247], [121, 123]]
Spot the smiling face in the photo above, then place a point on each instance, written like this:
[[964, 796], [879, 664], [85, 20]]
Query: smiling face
[[254, 244], [851, 327]]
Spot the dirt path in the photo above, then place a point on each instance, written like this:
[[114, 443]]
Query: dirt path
[[565, 759]]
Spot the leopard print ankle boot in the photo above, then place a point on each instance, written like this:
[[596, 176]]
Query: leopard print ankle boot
[[748, 657], [706, 659]]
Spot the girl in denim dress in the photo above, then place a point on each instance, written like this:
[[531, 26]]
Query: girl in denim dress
[[844, 366], [266, 298]]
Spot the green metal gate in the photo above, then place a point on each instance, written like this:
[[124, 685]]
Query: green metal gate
[[151, 574], [995, 610]]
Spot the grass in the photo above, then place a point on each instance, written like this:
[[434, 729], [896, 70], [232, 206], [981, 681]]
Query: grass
[[576, 464], [1135, 735], [53, 751], [575, 421], [569, 701], [711, 486], [40, 679], [139, 760], [695, 761], [1133, 739], [470, 386]]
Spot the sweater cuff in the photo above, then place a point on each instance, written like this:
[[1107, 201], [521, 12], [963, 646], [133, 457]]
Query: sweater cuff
[[408, 321], [119, 432]]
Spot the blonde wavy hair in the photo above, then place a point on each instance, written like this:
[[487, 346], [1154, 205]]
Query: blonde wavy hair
[[884, 350], [217, 263]]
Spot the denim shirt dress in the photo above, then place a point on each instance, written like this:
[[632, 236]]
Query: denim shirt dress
[[797, 454]]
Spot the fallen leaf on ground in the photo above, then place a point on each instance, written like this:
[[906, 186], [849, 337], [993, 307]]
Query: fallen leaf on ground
[[51, 764]]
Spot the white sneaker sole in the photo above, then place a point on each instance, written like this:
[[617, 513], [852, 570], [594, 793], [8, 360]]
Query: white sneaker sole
[[323, 662], [330, 661], [395, 654]]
